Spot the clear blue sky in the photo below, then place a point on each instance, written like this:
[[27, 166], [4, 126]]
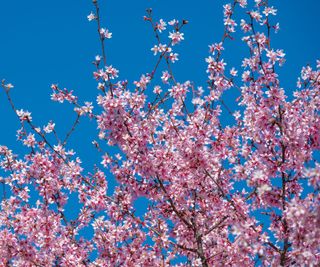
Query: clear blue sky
[[45, 42]]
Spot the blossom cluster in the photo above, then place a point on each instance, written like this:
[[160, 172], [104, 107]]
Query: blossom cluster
[[243, 194]]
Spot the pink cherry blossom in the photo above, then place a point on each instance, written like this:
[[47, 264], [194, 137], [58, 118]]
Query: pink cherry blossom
[[161, 26], [176, 37], [218, 193], [173, 57], [24, 115], [91, 16], [165, 76], [105, 33], [49, 127]]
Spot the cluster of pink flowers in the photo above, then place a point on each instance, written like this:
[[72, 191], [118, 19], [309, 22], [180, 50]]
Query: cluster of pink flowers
[[244, 194], [61, 95]]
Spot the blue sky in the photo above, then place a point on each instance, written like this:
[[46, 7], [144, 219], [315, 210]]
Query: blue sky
[[45, 42]]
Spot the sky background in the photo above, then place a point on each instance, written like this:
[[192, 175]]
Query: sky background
[[45, 42]]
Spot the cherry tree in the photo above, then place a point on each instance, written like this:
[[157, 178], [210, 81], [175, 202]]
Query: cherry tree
[[245, 194]]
